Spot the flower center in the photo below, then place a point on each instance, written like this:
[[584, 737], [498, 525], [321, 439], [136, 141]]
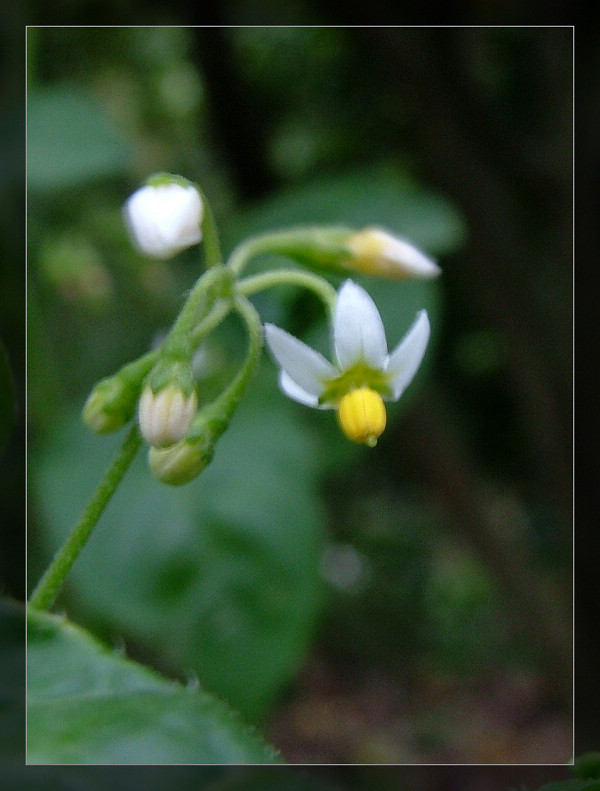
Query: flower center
[[361, 413], [355, 378]]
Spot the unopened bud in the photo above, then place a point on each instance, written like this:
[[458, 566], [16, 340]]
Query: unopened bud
[[181, 462], [110, 405], [376, 252], [165, 416], [164, 216]]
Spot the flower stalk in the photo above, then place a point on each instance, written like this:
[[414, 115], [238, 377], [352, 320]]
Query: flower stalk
[[51, 582]]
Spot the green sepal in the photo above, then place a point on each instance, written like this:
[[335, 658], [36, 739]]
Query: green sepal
[[168, 371], [163, 179], [358, 376]]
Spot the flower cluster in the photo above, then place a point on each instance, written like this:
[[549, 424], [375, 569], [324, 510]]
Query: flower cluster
[[165, 216]]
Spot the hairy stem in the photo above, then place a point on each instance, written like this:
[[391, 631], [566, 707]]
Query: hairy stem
[[51, 582]]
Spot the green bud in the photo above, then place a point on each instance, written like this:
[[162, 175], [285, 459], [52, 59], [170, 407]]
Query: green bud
[[110, 405], [184, 460], [181, 462]]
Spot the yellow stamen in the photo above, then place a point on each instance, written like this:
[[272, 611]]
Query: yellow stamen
[[361, 414]]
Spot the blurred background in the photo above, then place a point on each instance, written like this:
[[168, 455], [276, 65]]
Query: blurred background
[[409, 604]]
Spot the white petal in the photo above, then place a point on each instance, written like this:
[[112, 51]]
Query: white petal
[[406, 358], [163, 220], [358, 332], [308, 369], [297, 393], [407, 259], [179, 221]]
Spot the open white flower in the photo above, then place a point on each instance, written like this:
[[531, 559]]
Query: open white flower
[[363, 374], [164, 216]]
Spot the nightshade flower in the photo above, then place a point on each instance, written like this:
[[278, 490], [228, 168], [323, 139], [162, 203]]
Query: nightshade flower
[[363, 374], [164, 216]]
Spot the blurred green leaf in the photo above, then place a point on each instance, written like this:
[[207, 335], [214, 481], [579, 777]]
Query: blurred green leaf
[[70, 139], [587, 765], [218, 578], [377, 195], [88, 704]]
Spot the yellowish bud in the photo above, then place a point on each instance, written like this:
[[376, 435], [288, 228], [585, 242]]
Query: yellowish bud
[[180, 463], [361, 414], [165, 416], [376, 252]]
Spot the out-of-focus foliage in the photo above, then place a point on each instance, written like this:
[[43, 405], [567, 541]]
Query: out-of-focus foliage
[[87, 704], [217, 579], [416, 570]]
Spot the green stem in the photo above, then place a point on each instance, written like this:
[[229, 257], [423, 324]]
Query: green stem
[[224, 406], [210, 235], [219, 311], [248, 312], [136, 370], [48, 587], [294, 277], [262, 244], [309, 246], [214, 283]]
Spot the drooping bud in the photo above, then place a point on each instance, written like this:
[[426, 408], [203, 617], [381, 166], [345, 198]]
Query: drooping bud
[[181, 462], [164, 216], [361, 413]]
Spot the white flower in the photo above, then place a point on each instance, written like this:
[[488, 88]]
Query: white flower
[[164, 217], [363, 374], [377, 252]]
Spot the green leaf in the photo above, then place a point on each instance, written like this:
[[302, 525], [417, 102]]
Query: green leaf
[[587, 765], [88, 704], [218, 578], [70, 139], [375, 195]]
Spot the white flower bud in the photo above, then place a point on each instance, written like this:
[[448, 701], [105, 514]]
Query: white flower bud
[[164, 218], [377, 252], [165, 417]]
